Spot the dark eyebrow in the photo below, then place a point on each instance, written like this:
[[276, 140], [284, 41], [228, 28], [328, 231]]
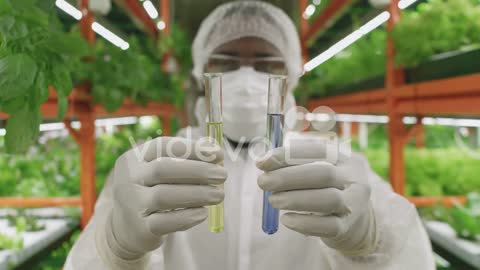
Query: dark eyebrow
[[229, 53], [263, 54]]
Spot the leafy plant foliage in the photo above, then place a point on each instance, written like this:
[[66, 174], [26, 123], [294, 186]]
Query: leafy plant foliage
[[436, 26], [363, 59], [116, 74], [34, 53]]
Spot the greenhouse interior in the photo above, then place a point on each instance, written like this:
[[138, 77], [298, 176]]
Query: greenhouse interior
[[215, 134]]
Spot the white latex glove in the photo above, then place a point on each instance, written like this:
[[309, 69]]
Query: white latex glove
[[325, 200], [161, 193]]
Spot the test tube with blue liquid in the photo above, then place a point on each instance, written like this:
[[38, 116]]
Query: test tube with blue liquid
[[213, 92], [277, 90]]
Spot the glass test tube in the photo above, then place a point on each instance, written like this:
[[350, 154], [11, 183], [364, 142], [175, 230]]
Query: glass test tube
[[277, 90], [213, 92]]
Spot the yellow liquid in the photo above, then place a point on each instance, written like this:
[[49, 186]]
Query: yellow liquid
[[215, 212]]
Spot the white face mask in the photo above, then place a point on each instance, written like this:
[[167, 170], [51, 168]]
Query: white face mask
[[245, 100]]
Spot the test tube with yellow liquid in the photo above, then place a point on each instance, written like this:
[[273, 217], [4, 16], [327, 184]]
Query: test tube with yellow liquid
[[213, 93]]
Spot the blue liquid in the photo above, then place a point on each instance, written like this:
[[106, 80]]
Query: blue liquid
[[274, 140]]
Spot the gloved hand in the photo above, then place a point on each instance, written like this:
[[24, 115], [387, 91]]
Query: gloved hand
[[159, 187], [326, 200]]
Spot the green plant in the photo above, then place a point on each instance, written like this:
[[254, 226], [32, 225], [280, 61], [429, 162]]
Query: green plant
[[56, 258], [51, 167], [464, 219], [10, 242], [34, 53], [363, 59], [24, 222], [440, 168], [436, 26], [116, 74]]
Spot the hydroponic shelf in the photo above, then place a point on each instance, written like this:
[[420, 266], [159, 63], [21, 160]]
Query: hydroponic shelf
[[438, 67], [457, 96], [34, 242], [443, 235]]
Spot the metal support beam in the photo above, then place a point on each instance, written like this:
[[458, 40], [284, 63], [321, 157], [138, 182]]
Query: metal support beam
[[165, 15], [420, 133], [88, 168], [325, 19], [86, 135], [39, 202], [166, 128], [396, 129], [138, 11], [86, 22], [432, 201], [304, 26]]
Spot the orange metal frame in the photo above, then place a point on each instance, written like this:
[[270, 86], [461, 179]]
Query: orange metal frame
[[325, 19], [139, 12], [457, 96], [81, 107]]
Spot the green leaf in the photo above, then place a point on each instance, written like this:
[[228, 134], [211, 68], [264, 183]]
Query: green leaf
[[17, 73], [19, 30], [62, 81], [6, 23], [22, 129], [41, 88], [68, 44], [21, 224], [13, 105], [5, 6], [62, 105]]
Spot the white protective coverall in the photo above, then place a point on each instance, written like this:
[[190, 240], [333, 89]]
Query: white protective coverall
[[402, 243]]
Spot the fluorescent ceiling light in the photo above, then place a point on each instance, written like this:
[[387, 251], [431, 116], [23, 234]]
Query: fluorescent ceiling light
[[107, 122], [409, 120], [309, 11], [69, 9], [56, 126], [108, 35], [363, 118], [405, 3], [161, 25], [98, 28], [119, 121], [347, 41], [150, 8], [374, 23]]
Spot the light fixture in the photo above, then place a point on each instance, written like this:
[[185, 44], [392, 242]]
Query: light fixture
[[309, 11], [118, 121], [405, 3], [347, 41], [362, 118], [69, 9], [106, 122], [98, 28], [150, 8], [161, 25], [408, 120], [110, 36], [374, 23]]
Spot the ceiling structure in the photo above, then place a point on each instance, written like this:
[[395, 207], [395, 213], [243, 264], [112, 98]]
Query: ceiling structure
[[188, 14]]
